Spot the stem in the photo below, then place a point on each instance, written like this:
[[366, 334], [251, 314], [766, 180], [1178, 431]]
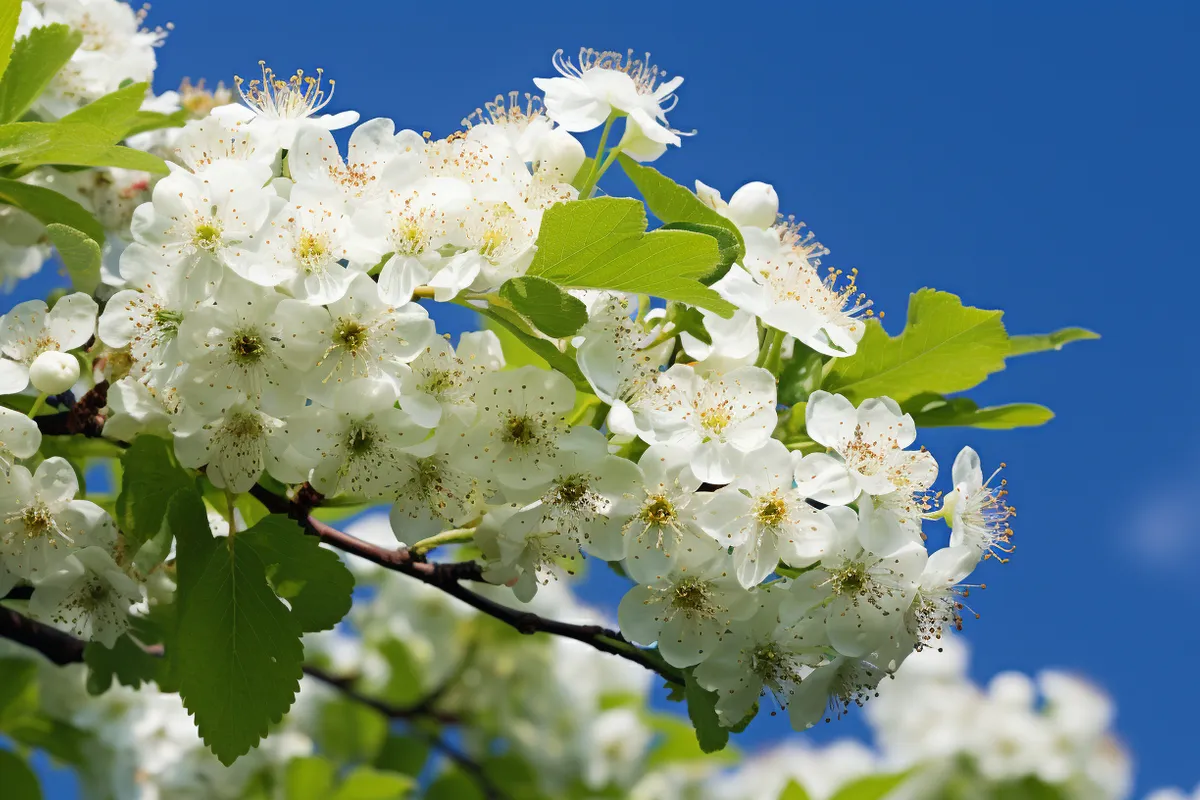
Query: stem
[[423, 291], [456, 536], [662, 338], [37, 405], [643, 307], [774, 352], [598, 167]]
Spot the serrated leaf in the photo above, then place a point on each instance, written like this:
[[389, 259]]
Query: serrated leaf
[[80, 255], [237, 649], [10, 12], [702, 711], [19, 780], [546, 351], [1037, 343], [313, 580], [365, 783], [671, 202], [793, 791], [36, 59], [309, 778], [553, 311], [150, 477], [872, 787], [931, 410], [49, 207], [728, 245], [602, 244], [945, 347], [128, 663]]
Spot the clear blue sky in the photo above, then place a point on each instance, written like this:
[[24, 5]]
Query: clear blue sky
[[1042, 161]]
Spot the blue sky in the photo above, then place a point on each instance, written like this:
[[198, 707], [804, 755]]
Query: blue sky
[[1042, 161]]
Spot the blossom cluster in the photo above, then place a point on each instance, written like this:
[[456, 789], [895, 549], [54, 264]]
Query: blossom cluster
[[270, 317]]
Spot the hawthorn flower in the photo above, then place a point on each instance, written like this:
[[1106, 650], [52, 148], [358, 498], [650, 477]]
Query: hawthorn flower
[[252, 344], [436, 491], [688, 610], [607, 82], [87, 595], [146, 317], [978, 511], [20, 437], [610, 358], [41, 522], [29, 330], [378, 158], [201, 143], [134, 409], [523, 556], [357, 445], [522, 417], [281, 109], [833, 686], [236, 447], [410, 230], [718, 420], [938, 603], [443, 380], [734, 342], [197, 224], [871, 442], [524, 127], [502, 236], [765, 519]]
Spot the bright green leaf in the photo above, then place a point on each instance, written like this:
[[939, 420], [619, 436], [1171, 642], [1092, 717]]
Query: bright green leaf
[[365, 783], [453, 784], [32, 144], [872, 787], [18, 689], [602, 244], [126, 661], [349, 731], [688, 320], [931, 410], [404, 754], [238, 649], [150, 478], [19, 780], [313, 580], [36, 59], [79, 254], [545, 350], [945, 347], [404, 686], [553, 311], [793, 791], [728, 244], [144, 121], [1036, 343], [48, 207], [309, 778], [61, 740], [702, 711], [676, 743], [113, 113], [10, 12]]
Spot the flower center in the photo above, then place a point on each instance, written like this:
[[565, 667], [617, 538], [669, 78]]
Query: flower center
[[167, 322], [571, 491], [244, 424], [311, 250], [694, 597], [716, 419], [771, 511], [37, 519], [658, 510], [247, 347], [207, 236], [351, 335], [298, 97], [520, 429], [361, 439], [851, 579]]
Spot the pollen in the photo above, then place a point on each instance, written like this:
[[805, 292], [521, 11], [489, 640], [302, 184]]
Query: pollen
[[298, 97]]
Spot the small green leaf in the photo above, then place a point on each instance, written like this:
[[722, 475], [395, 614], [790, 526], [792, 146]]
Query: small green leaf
[[60, 739], [793, 791], [688, 320], [10, 12], [309, 778], [585, 171], [403, 754], [404, 686], [454, 784], [945, 347], [19, 780], [126, 661], [49, 207], [79, 254], [113, 114], [676, 744], [801, 376], [237, 649], [544, 350], [32, 144], [872, 787], [602, 244], [351, 732], [702, 711], [728, 244], [150, 477], [36, 59], [144, 121], [18, 689], [313, 580], [365, 783], [553, 311], [931, 410], [1037, 343]]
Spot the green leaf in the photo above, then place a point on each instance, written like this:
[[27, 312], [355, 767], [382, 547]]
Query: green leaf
[[931, 410], [585, 171], [365, 783], [1037, 343], [79, 254], [61, 740], [729, 246], [49, 207], [515, 774], [454, 784], [404, 686], [351, 732], [671, 202], [238, 647], [20, 782], [793, 791], [309, 778], [144, 121], [113, 113], [36, 59], [945, 347], [1027, 789], [313, 580], [688, 320], [404, 754], [602, 244], [10, 12], [32, 144], [872, 787], [125, 661], [18, 689], [150, 477], [702, 711], [676, 743], [802, 375], [544, 350], [553, 311]]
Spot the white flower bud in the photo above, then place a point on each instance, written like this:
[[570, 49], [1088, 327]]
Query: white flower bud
[[53, 372], [755, 205], [561, 151]]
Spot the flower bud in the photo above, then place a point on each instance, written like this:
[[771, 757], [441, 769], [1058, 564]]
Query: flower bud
[[53, 372], [561, 151], [755, 205]]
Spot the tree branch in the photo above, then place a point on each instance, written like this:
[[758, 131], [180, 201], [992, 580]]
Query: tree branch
[[83, 418]]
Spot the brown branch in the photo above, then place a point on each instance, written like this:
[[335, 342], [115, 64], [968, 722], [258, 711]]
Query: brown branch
[[83, 418]]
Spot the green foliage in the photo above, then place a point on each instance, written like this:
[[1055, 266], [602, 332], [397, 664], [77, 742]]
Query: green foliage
[[126, 661], [1037, 343], [602, 244], [511, 324], [113, 114], [19, 781], [944, 347], [454, 784], [351, 732], [18, 689], [702, 711], [237, 645], [872, 787], [36, 59], [21, 720], [364, 783], [1028, 789], [677, 743], [404, 754], [309, 778], [150, 477], [931, 410], [144, 121], [10, 13], [553, 311], [802, 375], [313, 580], [49, 207], [793, 791], [33, 144], [730, 247], [80, 255], [404, 686]]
